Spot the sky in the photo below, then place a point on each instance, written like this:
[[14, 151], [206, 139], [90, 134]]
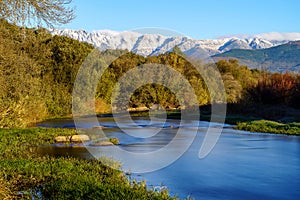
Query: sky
[[199, 19]]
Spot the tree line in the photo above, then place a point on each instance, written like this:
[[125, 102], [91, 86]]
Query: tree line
[[37, 75]]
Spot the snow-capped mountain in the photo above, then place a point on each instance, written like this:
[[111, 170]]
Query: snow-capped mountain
[[154, 44]]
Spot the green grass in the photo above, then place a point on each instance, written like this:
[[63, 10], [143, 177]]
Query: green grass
[[22, 169], [267, 126]]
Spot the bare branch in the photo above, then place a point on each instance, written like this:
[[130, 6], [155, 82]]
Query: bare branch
[[48, 13]]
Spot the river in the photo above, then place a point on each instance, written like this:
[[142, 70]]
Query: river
[[242, 165]]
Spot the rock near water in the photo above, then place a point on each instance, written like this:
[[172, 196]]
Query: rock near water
[[74, 139], [80, 138], [62, 139]]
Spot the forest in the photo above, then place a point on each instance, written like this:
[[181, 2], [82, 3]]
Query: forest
[[38, 71]]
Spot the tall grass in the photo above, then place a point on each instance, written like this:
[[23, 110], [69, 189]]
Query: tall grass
[[5, 192]]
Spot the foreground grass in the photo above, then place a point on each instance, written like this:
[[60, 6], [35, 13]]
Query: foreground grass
[[22, 169], [267, 126]]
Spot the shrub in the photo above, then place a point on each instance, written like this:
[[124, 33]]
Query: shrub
[[115, 141]]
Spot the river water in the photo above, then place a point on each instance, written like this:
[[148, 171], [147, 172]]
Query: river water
[[242, 165]]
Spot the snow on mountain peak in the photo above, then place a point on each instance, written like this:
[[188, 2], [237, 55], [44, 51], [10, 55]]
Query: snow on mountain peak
[[154, 44]]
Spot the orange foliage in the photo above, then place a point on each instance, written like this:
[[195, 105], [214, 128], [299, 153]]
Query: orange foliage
[[277, 88]]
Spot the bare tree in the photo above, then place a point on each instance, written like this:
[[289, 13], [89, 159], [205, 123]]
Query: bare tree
[[37, 12]]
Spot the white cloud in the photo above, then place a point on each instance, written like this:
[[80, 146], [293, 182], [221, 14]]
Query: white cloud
[[279, 36], [241, 36]]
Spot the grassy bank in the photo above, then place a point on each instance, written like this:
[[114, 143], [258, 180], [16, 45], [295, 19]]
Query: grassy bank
[[249, 121], [23, 173], [267, 126]]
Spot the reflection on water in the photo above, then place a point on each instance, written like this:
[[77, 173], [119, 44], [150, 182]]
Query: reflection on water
[[65, 150], [242, 165]]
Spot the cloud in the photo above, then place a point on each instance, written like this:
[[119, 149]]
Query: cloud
[[279, 36], [268, 36], [241, 36]]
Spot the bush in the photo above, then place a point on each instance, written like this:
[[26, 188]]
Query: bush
[[115, 141]]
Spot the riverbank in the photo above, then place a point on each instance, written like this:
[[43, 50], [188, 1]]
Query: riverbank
[[26, 174], [260, 118], [278, 119], [264, 119], [266, 126]]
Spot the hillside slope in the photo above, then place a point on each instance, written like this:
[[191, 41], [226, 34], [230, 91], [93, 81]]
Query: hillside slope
[[281, 58]]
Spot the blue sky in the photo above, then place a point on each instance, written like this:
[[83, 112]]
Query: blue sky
[[201, 19]]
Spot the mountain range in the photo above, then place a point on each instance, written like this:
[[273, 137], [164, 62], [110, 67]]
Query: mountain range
[[280, 58], [154, 44], [242, 47]]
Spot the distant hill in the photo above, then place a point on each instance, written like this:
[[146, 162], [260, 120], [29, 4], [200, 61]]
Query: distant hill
[[280, 58]]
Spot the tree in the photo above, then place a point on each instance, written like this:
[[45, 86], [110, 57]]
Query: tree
[[37, 74], [36, 12], [233, 88], [178, 51]]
